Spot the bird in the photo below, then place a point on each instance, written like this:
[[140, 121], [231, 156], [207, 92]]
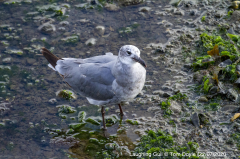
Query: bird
[[104, 79]]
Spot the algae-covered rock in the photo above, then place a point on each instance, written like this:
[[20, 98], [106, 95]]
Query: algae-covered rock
[[94, 140], [81, 116], [94, 120], [130, 2], [111, 119], [70, 39], [66, 109], [17, 52], [76, 125], [133, 122], [66, 94]]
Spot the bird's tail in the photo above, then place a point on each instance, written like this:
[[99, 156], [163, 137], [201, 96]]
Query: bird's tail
[[52, 59]]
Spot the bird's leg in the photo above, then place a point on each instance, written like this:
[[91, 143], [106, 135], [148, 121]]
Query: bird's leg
[[121, 112], [103, 112]]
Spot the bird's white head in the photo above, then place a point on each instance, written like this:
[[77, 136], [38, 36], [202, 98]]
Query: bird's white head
[[129, 54]]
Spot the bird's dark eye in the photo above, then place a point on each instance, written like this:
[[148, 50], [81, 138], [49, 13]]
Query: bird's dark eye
[[129, 53]]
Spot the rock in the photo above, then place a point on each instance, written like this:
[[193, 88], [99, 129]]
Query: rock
[[31, 61], [166, 94], [17, 52], [63, 23], [70, 39], [235, 16], [213, 90], [144, 9], [175, 107], [84, 21], [13, 87], [53, 101], [61, 29], [195, 120], [204, 119], [231, 31], [203, 99], [159, 92], [168, 24], [219, 13], [131, 2], [225, 63], [193, 12], [7, 60], [111, 7], [187, 66], [100, 30], [91, 41], [47, 28], [179, 12], [160, 13], [237, 82], [229, 108], [209, 133], [238, 67]]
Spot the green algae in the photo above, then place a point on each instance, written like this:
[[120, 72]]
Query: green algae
[[178, 96], [209, 41], [206, 85], [161, 143], [227, 50], [165, 105], [212, 106], [203, 18], [135, 122]]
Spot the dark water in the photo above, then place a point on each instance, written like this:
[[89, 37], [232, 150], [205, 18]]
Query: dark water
[[30, 83]]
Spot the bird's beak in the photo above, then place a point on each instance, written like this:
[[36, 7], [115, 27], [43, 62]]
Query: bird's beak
[[138, 59]]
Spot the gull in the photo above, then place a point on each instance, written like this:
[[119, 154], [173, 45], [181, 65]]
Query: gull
[[104, 79]]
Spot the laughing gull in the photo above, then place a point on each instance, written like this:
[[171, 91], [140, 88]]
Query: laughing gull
[[105, 79]]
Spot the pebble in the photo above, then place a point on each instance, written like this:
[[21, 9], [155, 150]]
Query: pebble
[[213, 90], [53, 101], [61, 29], [166, 94], [47, 28], [203, 99], [91, 41], [7, 60], [175, 107], [100, 30], [159, 92], [31, 61], [144, 9], [193, 12], [111, 7], [195, 120], [229, 108], [225, 63], [63, 23]]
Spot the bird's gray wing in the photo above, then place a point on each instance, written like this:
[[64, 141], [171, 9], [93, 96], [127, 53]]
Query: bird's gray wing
[[93, 80], [97, 59]]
